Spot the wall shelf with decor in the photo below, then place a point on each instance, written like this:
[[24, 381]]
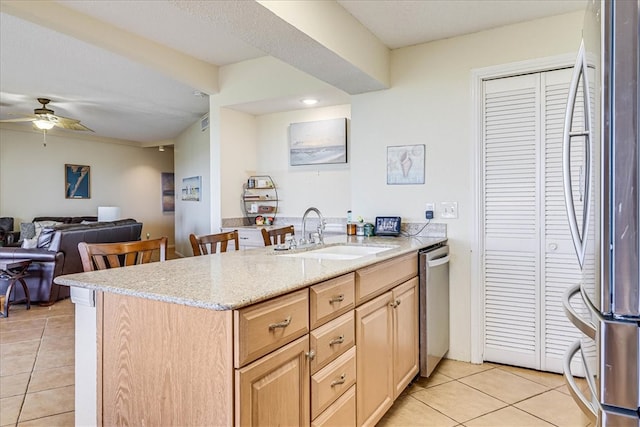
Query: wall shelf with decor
[[260, 200]]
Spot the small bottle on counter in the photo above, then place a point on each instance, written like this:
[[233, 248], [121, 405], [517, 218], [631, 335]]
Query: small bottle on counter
[[351, 227]]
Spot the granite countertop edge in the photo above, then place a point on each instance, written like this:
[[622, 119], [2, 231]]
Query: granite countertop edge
[[236, 279]]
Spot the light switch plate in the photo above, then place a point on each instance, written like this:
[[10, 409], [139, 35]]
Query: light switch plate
[[449, 210]]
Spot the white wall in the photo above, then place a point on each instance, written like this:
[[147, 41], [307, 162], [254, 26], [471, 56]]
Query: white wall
[[239, 143], [430, 103], [32, 178], [192, 158]]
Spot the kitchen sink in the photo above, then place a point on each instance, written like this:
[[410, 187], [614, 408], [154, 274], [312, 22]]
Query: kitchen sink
[[341, 252]]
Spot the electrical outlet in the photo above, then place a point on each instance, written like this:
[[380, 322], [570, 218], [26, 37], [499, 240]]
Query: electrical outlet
[[449, 210], [430, 206]]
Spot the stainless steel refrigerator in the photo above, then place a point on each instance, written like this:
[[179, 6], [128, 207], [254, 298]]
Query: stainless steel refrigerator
[[602, 196]]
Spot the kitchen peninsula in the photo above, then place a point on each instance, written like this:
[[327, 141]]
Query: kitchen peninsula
[[256, 337]]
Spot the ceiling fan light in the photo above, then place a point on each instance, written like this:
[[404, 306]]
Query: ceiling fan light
[[44, 124]]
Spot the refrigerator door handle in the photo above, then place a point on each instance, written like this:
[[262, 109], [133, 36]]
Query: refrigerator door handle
[[585, 405], [579, 237], [588, 328]]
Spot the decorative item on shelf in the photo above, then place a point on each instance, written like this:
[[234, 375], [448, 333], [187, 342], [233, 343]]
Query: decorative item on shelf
[[259, 199], [259, 220]]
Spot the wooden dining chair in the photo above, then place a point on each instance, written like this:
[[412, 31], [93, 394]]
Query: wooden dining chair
[[205, 244], [276, 236], [101, 256]]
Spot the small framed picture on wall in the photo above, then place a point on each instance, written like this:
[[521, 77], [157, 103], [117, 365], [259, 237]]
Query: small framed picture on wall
[[77, 181]]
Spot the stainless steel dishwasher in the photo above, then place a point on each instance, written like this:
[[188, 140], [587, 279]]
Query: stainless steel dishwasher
[[433, 263]]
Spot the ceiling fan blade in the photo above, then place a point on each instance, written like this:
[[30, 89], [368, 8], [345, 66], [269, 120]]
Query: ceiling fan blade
[[71, 124], [21, 119]]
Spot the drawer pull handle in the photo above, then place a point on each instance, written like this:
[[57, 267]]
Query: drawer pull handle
[[311, 354], [337, 340], [342, 380], [282, 324], [337, 298]]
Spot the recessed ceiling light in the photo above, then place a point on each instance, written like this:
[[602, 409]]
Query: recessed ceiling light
[[309, 101]]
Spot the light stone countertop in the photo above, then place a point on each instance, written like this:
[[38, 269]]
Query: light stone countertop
[[232, 280]]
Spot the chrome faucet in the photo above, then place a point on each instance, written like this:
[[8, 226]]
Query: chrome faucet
[[321, 226]]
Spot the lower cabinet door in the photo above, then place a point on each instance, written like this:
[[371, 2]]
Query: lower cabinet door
[[374, 359], [274, 390], [405, 334], [341, 413]]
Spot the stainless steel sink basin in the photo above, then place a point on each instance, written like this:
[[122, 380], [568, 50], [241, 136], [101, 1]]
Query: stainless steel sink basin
[[340, 252]]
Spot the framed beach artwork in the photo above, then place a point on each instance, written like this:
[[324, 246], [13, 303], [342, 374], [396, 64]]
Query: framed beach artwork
[[191, 188], [319, 142], [168, 192], [405, 164], [77, 181]]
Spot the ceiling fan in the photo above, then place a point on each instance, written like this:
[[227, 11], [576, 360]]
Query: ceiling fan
[[44, 119]]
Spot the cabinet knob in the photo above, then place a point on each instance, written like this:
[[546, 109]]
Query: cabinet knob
[[282, 324], [394, 304], [311, 354]]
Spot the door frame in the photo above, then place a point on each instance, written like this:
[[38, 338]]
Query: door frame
[[478, 76]]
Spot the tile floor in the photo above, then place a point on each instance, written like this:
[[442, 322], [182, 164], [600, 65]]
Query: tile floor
[[37, 383]]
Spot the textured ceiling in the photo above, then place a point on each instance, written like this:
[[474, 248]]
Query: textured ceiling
[[122, 98]]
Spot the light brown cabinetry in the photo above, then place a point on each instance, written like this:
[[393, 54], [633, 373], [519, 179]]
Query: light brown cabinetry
[[387, 340], [335, 354], [374, 335], [274, 390], [405, 333]]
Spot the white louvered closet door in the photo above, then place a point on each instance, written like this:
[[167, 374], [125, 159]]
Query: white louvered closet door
[[560, 268], [511, 220], [529, 258]]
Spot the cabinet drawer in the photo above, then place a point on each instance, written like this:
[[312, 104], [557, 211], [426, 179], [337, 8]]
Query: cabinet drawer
[[376, 279], [330, 299], [330, 382], [331, 340], [341, 413], [263, 327]]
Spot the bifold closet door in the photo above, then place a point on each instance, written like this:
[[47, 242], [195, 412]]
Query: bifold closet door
[[529, 258], [511, 155]]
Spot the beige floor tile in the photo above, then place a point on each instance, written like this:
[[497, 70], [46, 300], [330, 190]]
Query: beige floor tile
[[20, 335], [61, 420], [458, 401], [13, 365], [556, 408], [504, 385], [52, 378], [59, 331], [48, 402], [436, 378], [55, 343], [456, 369], [9, 410], [9, 324], [20, 348], [545, 378], [61, 320], [507, 417], [55, 358], [407, 411], [14, 385]]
